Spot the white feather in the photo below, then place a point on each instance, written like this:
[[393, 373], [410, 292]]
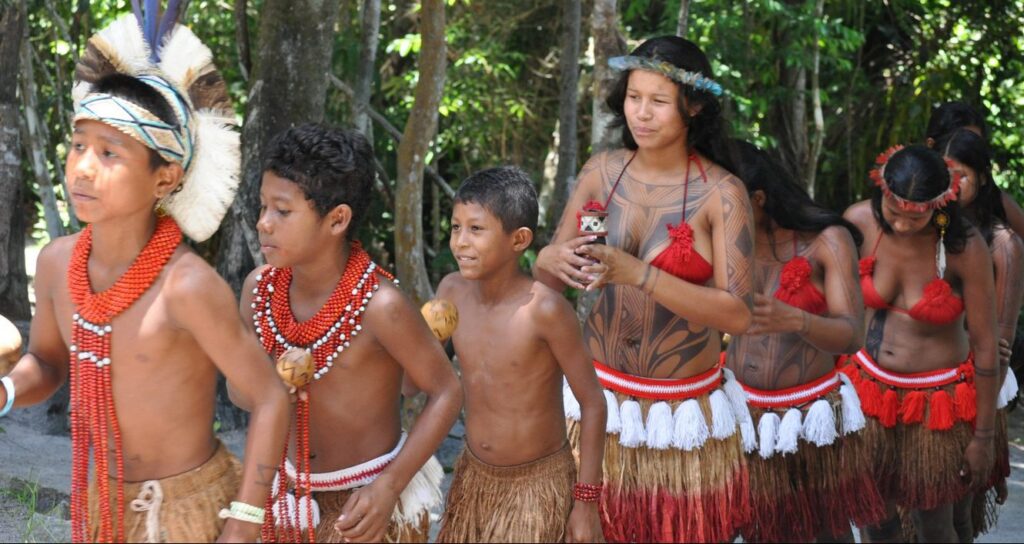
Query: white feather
[[1008, 391], [125, 47], [632, 434], [614, 424], [691, 429], [820, 424], [853, 416], [422, 493], [723, 420], [789, 432], [210, 184], [569, 402], [659, 426], [768, 431], [183, 56]]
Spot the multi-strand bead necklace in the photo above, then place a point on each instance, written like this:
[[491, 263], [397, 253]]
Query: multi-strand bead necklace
[[326, 336], [93, 418]]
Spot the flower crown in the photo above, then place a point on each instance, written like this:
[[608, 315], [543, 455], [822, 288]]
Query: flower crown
[[696, 80], [940, 201]]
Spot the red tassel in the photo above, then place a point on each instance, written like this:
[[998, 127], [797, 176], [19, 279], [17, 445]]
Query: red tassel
[[938, 304], [678, 258], [912, 409], [965, 402], [796, 289], [870, 397], [890, 408], [940, 411]]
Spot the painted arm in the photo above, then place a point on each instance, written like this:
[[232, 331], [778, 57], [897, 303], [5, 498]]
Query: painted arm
[[1008, 260], [1014, 214]]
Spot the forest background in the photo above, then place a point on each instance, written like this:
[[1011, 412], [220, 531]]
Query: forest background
[[446, 87]]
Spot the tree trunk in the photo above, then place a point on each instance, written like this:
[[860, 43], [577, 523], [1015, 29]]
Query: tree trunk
[[13, 281], [568, 104], [370, 29], [684, 18], [288, 87], [608, 42], [811, 171], [419, 131]]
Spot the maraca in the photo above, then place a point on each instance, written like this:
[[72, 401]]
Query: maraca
[[442, 317], [296, 367], [10, 345]]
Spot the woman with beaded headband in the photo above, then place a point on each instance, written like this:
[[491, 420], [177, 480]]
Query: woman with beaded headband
[[926, 383], [812, 473], [676, 272], [141, 323], [983, 207]]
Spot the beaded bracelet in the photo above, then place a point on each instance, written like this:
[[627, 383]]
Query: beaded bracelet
[[9, 389], [586, 492], [243, 512]]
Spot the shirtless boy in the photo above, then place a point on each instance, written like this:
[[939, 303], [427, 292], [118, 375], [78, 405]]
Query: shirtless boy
[[516, 478], [145, 322], [320, 291]]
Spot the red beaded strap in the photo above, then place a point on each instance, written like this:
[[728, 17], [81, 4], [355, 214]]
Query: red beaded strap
[[586, 492]]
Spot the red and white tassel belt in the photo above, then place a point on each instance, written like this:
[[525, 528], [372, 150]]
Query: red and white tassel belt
[[658, 389], [792, 396], [910, 398], [352, 477]]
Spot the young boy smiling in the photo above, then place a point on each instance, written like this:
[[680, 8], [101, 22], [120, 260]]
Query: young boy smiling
[[320, 291], [516, 478]]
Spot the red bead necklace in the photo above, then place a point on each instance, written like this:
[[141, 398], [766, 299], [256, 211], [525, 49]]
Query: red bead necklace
[[326, 335], [93, 418]]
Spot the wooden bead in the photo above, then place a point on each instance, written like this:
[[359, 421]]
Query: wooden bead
[[295, 367], [442, 317]]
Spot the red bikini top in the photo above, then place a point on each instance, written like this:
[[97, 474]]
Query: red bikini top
[[939, 305], [796, 287], [680, 258]]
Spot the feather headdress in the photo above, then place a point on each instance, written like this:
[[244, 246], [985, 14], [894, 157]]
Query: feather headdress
[[150, 45]]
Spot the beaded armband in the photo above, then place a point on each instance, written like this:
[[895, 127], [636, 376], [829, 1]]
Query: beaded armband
[[586, 492], [243, 512]]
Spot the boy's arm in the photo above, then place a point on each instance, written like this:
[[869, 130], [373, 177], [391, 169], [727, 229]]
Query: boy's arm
[[556, 321], [399, 328], [246, 311], [203, 304], [44, 367]]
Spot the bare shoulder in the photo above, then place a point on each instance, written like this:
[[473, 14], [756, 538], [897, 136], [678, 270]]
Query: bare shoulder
[[387, 304], [549, 308], [53, 260], [1006, 242], [975, 247], [837, 237], [595, 172], [188, 275], [451, 286], [860, 214], [253, 278]]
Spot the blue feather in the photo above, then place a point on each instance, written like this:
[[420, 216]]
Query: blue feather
[[170, 17]]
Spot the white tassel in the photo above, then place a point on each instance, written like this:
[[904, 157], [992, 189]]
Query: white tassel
[[820, 424], [210, 184], [723, 421], [569, 402], [422, 493], [789, 432], [659, 426], [305, 503], [853, 416], [768, 430], [282, 519], [632, 434], [1008, 391], [738, 400], [690, 428], [614, 424]]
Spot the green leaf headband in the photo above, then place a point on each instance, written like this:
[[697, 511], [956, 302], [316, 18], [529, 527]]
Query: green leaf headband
[[173, 143], [667, 69]]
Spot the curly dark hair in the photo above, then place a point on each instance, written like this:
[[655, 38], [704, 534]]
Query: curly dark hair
[[139, 93], [332, 166], [919, 174], [506, 192], [706, 130], [786, 201]]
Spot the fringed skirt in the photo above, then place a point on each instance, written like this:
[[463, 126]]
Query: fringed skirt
[[918, 426], [181, 508], [530, 502], [674, 464], [812, 473], [410, 521]]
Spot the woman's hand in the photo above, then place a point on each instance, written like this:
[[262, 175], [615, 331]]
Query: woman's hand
[[771, 316], [564, 261], [614, 266], [978, 461]]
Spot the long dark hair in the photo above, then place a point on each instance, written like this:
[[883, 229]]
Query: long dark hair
[[919, 174], [986, 210], [706, 130], [954, 115], [786, 201]]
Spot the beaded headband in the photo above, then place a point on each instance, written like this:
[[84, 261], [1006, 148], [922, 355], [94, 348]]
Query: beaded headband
[[174, 143], [696, 80], [940, 201]]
